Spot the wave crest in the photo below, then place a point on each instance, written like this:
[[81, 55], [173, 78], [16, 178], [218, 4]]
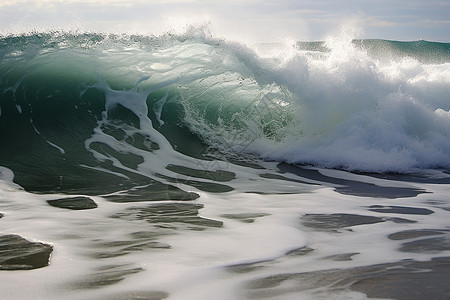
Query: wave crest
[[347, 104]]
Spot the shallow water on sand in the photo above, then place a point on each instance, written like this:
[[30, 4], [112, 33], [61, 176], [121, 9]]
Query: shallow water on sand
[[286, 232]]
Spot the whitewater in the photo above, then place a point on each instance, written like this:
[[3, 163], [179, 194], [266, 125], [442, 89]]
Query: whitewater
[[187, 166]]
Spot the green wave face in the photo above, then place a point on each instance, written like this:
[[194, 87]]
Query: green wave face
[[75, 103]]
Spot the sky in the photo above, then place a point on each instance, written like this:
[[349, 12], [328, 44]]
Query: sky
[[245, 20]]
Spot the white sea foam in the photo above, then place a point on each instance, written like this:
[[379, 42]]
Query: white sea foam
[[194, 266], [341, 109]]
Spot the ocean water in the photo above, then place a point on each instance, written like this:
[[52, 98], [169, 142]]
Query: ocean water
[[184, 166]]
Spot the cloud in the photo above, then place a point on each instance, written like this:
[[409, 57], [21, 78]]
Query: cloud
[[436, 22], [375, 22], [31, 4]]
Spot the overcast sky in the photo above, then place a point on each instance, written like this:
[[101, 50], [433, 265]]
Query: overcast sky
[[251, 20]]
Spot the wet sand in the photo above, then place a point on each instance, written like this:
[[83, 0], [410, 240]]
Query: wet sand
[[351, 187], [406, 280]]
